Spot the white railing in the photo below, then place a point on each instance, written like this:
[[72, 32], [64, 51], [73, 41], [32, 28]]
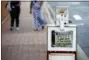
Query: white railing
[[50, 14]]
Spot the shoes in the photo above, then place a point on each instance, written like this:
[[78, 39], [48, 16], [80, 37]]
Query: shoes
[[35, 29], [17, 28], [11, 29], [42, 27]]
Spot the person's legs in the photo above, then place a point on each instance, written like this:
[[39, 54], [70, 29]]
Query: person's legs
[[35, 16], [17, 17], [41, 19], [12, 20]]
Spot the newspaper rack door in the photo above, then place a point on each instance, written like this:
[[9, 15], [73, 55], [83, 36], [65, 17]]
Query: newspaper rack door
[[61, 43]]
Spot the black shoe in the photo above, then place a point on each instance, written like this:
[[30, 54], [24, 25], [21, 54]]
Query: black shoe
[[11, 29], [42, 27]]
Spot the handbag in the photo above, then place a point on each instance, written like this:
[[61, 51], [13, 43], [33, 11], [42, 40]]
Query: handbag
[[9, 6], [40, 20]]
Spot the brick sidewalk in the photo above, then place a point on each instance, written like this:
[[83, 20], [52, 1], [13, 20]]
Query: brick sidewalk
[[24, 44]]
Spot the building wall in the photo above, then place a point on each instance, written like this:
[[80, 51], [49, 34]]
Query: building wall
[[4, 11]]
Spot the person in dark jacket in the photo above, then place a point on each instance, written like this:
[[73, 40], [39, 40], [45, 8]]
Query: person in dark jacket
[[14, 13]]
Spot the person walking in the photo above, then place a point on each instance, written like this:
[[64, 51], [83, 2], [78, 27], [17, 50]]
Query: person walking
[[14, 9], [39, 23]]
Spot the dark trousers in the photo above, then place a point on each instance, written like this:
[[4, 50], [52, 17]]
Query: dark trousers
[[14, 13]]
